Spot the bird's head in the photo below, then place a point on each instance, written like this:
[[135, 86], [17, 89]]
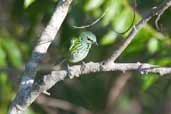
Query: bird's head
[[89, 37]]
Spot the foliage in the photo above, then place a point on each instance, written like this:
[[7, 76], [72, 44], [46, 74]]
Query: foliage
[[24, 21]]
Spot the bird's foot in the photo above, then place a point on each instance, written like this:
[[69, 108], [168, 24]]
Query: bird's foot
[[83, 66], [70, 74]]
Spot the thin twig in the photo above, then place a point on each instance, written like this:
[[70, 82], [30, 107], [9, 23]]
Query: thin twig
[[93, 23], [102, 16], [159, 16]]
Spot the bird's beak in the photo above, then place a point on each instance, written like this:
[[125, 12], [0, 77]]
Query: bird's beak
[[96, 44]]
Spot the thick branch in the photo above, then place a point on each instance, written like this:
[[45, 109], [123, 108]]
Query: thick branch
[[22, 100], [91, 67]]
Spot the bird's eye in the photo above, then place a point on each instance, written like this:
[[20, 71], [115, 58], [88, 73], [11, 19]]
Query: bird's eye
[[89, 39]]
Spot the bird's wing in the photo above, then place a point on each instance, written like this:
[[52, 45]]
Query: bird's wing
[[74, 42]]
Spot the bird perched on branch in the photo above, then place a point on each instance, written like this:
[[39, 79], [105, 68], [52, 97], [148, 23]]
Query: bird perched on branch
[[80, 46], [78, 50]]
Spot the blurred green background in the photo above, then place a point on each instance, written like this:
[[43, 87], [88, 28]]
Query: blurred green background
[[21, 23]]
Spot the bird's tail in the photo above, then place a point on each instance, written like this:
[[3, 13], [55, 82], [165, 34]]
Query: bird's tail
[[50, 67], [58, 65], [61, 62]]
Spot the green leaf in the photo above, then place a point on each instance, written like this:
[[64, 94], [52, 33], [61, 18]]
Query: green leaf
[[153, 45], [13, 52], [149, 80], [29, 111], [2, 57], [93, 4], [109, 38], [164, 61], [27, 3], [114, 6], [123, 21], [3, 78]]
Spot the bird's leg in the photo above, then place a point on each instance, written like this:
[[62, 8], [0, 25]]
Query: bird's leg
[[71, 76], [83, 66]]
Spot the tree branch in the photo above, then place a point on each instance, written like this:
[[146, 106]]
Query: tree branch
[[159, 15], [93, 67], [108, 65], [49, 80], [154, 12], [22, 100]]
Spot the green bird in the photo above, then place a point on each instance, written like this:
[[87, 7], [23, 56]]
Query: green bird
[[81, 46]]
